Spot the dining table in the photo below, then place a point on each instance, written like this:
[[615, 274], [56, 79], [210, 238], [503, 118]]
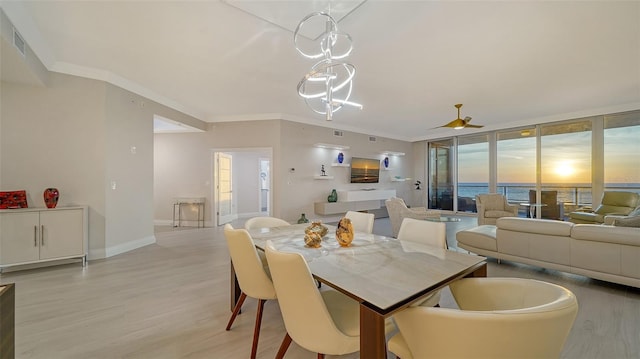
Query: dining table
[[384, 275]]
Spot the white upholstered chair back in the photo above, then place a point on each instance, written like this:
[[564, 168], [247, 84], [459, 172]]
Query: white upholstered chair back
[[423, 231], [264, 222], [361, 222], [498, 318], [252, 277], [325, 321], [251, 274]]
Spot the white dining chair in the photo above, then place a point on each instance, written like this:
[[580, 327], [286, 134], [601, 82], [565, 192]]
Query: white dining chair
[[498, 318], [361, 221], [324, 322], [424, 232], [264, 222], [251, 275]]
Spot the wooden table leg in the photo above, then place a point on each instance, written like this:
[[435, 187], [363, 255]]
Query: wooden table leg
[[480, 272], [372, 335]]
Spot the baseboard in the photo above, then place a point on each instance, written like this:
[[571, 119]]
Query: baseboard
[[129, 246]]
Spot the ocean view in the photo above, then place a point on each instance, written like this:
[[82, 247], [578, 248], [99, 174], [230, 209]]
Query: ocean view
[[579, 193]]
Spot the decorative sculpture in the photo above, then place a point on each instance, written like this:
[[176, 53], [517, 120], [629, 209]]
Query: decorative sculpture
[[344, 232], [314, 233]]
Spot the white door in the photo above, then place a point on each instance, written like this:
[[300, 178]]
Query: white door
[[224, 189]]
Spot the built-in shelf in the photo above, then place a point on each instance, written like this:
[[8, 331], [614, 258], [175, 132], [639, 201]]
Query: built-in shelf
[[340, 164], [392, 153], [322, 177], [331, 146]]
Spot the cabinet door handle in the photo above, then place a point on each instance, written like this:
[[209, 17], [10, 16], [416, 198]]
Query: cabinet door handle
[[42, 235], [35, 236]]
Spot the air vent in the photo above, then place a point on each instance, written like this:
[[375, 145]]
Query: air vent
[[18, 42], [338, 133], [373, 138]]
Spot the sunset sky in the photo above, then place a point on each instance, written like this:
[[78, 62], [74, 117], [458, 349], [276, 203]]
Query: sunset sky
[[566, 158]]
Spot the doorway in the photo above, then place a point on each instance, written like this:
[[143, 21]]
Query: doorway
[[242, 184]]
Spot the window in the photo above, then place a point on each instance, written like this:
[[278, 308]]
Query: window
[[566, 160], [622, 152], [516, 164], [473, 170]]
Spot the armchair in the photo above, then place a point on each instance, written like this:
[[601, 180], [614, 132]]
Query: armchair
[[398, 211], [613, 203], [492, 206]]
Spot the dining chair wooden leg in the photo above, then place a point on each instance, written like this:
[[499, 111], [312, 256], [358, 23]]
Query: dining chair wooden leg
[[236, 310], [284, 346], [256, 330]]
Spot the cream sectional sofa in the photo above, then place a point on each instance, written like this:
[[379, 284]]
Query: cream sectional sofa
[[598, 251]]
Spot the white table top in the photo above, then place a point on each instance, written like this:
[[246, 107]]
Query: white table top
[[377, 270]]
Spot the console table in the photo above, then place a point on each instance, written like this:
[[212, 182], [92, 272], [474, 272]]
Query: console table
[[198, 202]]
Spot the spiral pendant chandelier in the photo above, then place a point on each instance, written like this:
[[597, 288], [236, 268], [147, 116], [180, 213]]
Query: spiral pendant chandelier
[[327, 87]]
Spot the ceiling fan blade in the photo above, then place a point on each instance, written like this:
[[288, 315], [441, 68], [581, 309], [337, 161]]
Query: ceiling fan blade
[[459, 123], [455, 123]]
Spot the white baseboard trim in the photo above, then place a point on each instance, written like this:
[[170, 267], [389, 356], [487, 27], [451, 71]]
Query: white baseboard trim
[[129, 246]]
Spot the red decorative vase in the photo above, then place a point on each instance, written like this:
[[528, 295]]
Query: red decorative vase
[[51, 196]]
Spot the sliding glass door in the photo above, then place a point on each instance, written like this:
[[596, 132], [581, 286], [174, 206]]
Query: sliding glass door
[[441, 174]]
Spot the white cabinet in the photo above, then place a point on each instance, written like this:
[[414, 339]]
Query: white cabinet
[[39, 235]]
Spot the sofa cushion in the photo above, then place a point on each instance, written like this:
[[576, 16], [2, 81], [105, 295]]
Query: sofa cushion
[[483, 237], [587, 216], [540, 226], [606, 209], [627, 222], [606, 234]]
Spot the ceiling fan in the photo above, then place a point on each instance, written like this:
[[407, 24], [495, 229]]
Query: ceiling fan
[[460, 123]]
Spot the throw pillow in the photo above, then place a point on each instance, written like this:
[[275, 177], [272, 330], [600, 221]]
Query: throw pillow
[[627, 222]]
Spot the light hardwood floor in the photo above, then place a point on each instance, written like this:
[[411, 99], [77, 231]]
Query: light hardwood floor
[[171, 300]]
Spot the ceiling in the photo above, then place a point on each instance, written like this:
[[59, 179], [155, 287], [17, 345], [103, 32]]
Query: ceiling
[[509, 63]]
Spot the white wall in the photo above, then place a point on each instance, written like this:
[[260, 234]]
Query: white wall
[[76, 134], [183, 165], [55, 137], [183, 162]]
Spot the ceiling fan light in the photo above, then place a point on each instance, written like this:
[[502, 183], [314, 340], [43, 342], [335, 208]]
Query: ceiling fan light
[[458, 127]]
